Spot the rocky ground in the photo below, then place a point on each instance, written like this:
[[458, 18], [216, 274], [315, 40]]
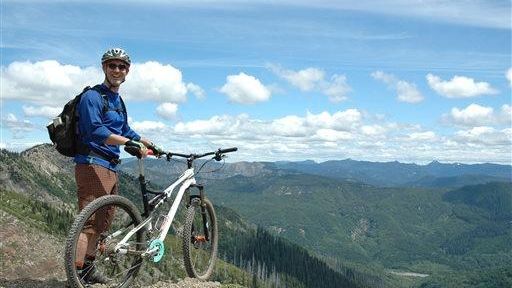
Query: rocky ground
[[27, 252], [31, 258], [185, 283]]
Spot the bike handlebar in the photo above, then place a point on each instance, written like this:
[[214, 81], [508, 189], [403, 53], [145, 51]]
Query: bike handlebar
[[218, 154], [227, 150]]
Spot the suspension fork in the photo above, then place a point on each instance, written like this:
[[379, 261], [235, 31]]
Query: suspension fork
[[203, 208]]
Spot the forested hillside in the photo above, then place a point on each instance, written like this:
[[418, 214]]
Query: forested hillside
[[446, 234], [434, 174]]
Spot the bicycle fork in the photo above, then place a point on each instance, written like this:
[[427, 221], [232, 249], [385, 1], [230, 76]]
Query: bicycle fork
[[206, 235]]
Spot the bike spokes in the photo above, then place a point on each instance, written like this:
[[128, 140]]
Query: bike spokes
[[95, 238], [118, 263], [200, 240]]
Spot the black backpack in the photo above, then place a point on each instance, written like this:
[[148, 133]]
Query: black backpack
[[63, 131]]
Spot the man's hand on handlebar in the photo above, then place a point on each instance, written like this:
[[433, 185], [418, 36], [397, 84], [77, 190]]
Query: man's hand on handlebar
[[157, 151], [143, 151]]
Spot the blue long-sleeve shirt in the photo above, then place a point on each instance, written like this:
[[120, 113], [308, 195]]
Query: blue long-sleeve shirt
[[95, 126]]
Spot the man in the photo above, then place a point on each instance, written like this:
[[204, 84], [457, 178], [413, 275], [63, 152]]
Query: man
[[101, 130]]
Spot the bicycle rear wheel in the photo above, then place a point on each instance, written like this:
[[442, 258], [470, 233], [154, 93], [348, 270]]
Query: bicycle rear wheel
[[200, 239], [119, 267]]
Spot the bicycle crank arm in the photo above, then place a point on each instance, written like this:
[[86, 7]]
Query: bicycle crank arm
[[150, 253], [124, 251]]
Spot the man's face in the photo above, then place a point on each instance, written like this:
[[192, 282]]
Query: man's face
[[116, 71]]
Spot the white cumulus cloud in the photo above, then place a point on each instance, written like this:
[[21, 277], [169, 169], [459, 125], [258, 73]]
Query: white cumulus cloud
[[216, 125], [51, 83], [337, 89], [459, 87], [384, 77], [340, 120], [313, 79], [374, 130], [19, 128], [148, 127], [305, 79], [154, 81], [342, 134], [45, 82], [485, 135], [422, 136], [476, 115], [42, 111], [245, 89], [473, 115], [406, 92], [289, 126], [196, 90], [505, 116], [331, 135], [167, 110]]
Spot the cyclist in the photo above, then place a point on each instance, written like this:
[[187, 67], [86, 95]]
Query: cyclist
[[101, 131]]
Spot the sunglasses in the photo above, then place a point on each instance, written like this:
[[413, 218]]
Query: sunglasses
[[113, 66]]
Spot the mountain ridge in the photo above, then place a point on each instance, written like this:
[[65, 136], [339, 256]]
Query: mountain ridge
[[383, 174]]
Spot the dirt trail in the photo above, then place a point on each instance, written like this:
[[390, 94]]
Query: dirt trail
[[29, 283]]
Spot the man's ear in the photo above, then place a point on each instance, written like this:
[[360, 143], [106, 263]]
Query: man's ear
[[127, 69], [104, 67]]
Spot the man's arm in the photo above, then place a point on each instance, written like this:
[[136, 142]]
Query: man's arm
[[114, 139]]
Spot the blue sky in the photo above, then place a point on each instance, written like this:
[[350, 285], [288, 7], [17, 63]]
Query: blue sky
[[412, 81]]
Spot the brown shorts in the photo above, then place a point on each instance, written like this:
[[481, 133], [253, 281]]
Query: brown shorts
[[94, 181]]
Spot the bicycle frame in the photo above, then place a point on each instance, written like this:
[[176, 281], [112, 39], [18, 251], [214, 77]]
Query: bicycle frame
[[185, 181]]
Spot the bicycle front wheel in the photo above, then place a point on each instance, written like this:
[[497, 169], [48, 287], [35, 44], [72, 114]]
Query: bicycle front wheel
[[91, 256], [200, 239]]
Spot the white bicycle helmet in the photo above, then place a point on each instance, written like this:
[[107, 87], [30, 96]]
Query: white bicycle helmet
[[116, 54]]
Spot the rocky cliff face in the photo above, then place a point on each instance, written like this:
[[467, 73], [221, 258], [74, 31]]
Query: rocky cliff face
[[221, 170], [40, 172], [48, 160]]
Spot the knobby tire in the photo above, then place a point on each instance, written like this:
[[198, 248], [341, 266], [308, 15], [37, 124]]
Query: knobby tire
[[200, 256], [122, 206]]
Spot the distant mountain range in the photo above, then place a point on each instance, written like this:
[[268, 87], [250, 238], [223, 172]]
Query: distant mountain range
[[383, 174], [434, 174]]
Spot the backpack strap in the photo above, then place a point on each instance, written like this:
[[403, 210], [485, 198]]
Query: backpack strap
[[124, 110], [106, 107], [104, 97]]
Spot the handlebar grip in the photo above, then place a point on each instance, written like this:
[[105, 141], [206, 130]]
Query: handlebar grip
[[134, 151], [227, 150]]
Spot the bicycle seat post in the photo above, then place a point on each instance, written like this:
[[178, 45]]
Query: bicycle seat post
[[142, 182]]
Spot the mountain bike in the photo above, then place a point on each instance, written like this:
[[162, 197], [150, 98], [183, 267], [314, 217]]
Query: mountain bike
[[132, 238]]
